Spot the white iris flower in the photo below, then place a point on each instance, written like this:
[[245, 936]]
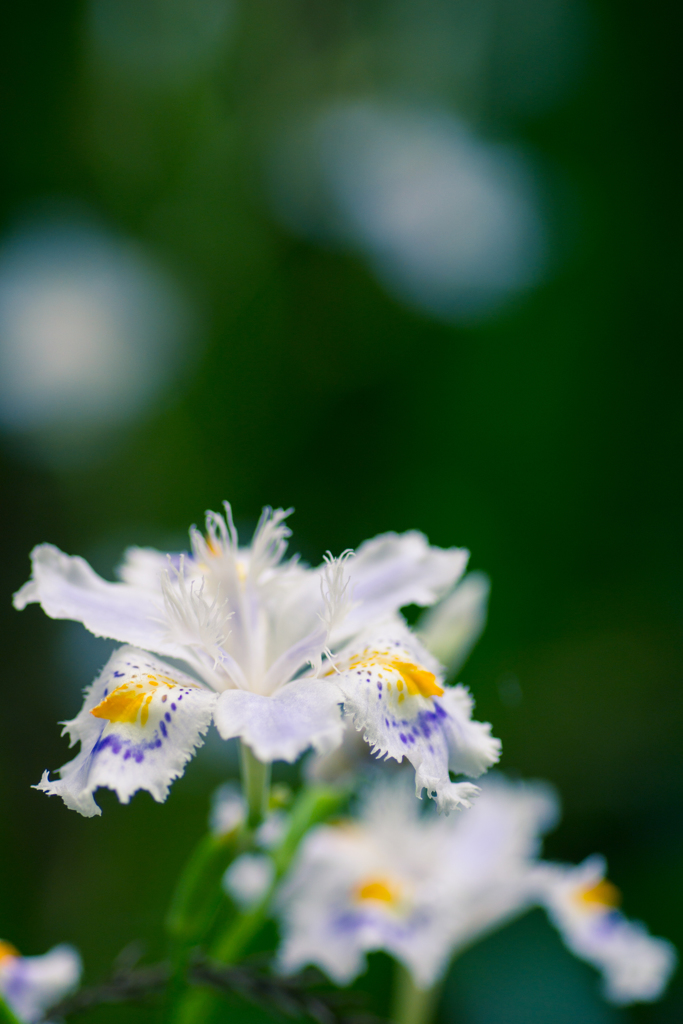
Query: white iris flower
[[272, 650], [415, 885], [583, 905], [30, 985], [424, 888]]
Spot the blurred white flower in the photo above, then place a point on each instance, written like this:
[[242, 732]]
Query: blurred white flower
[[583, 905], [32, 984], [248, 879], [450, 222], [229, 812], [91, 330], [272, 831], [228, 809], [415, 885]]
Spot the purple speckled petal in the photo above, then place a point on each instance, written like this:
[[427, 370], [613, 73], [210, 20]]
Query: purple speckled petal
[[134, 731], [433, 730]]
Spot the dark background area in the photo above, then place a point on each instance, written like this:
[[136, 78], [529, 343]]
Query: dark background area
[[546, 438]]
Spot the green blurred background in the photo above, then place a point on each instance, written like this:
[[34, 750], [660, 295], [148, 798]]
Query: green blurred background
[[541, 431]]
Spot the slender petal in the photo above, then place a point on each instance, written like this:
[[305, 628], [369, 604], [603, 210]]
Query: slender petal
[[141, 722], [394, 570], [67, 588], [302, 714]]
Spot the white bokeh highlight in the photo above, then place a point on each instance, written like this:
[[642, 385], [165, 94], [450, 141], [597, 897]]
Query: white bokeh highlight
[[91, 329], [451, 223]]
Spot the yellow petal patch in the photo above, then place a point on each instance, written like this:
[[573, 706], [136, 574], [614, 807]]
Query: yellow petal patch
[[7, 950], [131, 699], [603, 894], [376, 889], [417, 680]]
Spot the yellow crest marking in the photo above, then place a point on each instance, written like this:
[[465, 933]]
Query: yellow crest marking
[[602, 894], [132, 698], [417, 680]]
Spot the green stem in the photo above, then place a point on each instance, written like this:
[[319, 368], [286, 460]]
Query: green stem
[[194, 905], [6, 1015], [410, 1004], [255, 785], [197, 894], [198, 898], [315, 804]]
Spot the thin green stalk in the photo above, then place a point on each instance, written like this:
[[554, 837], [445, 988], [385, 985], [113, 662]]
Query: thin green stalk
[[6, 1015], [255, 785], [198, 898], [410, 1004], [194, 905], [315, 804], [197, 894]]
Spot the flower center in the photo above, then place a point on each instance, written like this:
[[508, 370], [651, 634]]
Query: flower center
[[216, 551], [602, 894], [132, 698]]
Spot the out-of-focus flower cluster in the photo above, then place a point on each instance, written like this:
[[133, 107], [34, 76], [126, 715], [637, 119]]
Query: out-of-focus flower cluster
[[423, 888]]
